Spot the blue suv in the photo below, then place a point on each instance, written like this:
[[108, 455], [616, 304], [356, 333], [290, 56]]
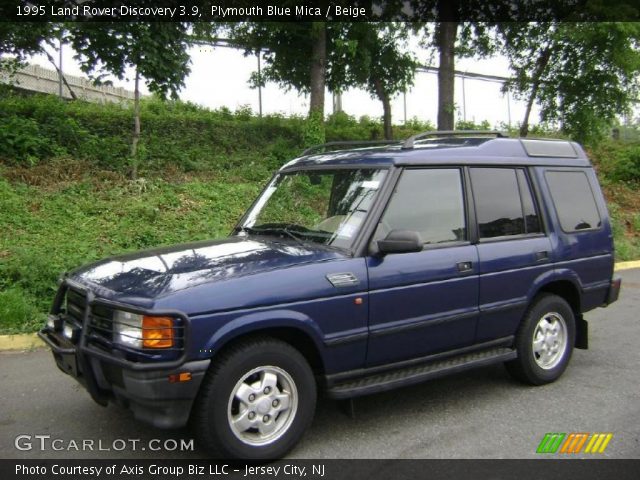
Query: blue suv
[[354, 272]]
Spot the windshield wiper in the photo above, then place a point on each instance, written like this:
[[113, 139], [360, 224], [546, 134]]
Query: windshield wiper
[[272, 231], [293, 235]]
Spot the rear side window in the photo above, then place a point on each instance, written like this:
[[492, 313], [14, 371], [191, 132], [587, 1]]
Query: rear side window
[[504, 203], [573, 198]]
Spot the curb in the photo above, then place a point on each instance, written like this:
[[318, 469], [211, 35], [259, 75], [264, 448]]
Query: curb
[[627, 265], [30, 341], [26, 341]]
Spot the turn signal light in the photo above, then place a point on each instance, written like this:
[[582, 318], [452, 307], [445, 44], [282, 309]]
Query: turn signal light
[[180, 377], [157, 332]]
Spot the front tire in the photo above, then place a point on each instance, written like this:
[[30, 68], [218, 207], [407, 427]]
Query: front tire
[[544, 341], [256, 401]]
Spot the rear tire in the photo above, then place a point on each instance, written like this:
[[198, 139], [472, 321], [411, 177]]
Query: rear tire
[[255, 402], [544, 341]]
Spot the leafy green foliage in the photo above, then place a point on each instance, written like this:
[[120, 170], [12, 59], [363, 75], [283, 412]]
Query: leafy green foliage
[[177, 134], [581, 74], [359, 54], [19, 39], [313, 132], [374, 56], [618, 166], [618, 162], [158, 50], [470, 125]]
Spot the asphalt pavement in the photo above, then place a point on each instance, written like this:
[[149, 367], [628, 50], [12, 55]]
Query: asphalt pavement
[[476, 414]]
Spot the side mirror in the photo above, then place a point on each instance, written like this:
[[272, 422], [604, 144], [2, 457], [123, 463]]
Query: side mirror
[[400, 241]]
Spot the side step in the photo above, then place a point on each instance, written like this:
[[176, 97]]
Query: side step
[[389, 380]]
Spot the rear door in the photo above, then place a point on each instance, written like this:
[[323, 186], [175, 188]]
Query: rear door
[[512, 247], [424, 302]]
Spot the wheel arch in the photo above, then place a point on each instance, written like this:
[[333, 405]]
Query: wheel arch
[[565, 289], [293, 328], [568, 289]]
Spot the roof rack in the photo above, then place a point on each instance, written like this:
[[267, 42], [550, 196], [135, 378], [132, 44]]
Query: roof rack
[[349, 144], [409, 142]]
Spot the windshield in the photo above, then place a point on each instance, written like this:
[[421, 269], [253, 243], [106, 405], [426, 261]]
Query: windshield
[[321, 206]]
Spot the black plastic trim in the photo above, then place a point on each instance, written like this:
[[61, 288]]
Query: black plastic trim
[[335, 378], [390, 382], [614, 290]]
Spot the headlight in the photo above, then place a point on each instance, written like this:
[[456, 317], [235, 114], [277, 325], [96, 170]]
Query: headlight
[[70, 331], [127, 328], [54, 322], [142, 331]]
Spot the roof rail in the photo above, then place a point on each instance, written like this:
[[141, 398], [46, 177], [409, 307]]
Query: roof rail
[[349, 143], [409, 142]]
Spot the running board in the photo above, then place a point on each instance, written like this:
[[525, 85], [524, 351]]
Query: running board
[[389, 380]]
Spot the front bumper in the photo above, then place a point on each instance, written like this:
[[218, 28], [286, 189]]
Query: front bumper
[[149, 394], [148, 388]]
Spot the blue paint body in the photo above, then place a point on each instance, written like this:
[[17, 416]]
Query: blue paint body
[[408, 305]]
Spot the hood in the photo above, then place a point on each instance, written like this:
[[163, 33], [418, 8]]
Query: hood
[[153, 273]]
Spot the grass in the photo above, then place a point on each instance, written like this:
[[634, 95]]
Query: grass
[[623, 200], [50, 226]]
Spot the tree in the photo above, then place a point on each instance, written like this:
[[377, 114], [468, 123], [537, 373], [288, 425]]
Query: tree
[[374, 56], [445, 39], [452, 37], [581, 74], [312, 56], [295, 55], [157, 51], [20, 39]]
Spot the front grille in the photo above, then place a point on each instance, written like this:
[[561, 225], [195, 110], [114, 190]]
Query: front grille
[[76, 305], [101, 322], [101, 333]]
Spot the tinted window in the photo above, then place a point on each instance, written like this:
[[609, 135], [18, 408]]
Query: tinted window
[[428, 201], [573, 199], [531, 217], [497, 199]]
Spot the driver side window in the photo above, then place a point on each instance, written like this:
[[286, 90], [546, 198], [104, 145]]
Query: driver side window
[[430, 202]]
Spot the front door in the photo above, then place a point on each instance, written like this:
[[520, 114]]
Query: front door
[[424, 302]]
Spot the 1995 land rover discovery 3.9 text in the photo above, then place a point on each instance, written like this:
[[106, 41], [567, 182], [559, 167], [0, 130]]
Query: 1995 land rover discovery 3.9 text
[[354, 272]]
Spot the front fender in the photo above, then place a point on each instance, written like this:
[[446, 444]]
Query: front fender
[[259, 321]]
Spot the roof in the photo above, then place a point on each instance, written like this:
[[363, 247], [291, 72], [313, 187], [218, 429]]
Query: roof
[[467, 150]]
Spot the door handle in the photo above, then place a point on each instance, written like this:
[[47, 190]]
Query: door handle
[[464, 266], [542, 256]]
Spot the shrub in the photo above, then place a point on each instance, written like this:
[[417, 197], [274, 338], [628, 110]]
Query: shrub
[[618, 161]]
